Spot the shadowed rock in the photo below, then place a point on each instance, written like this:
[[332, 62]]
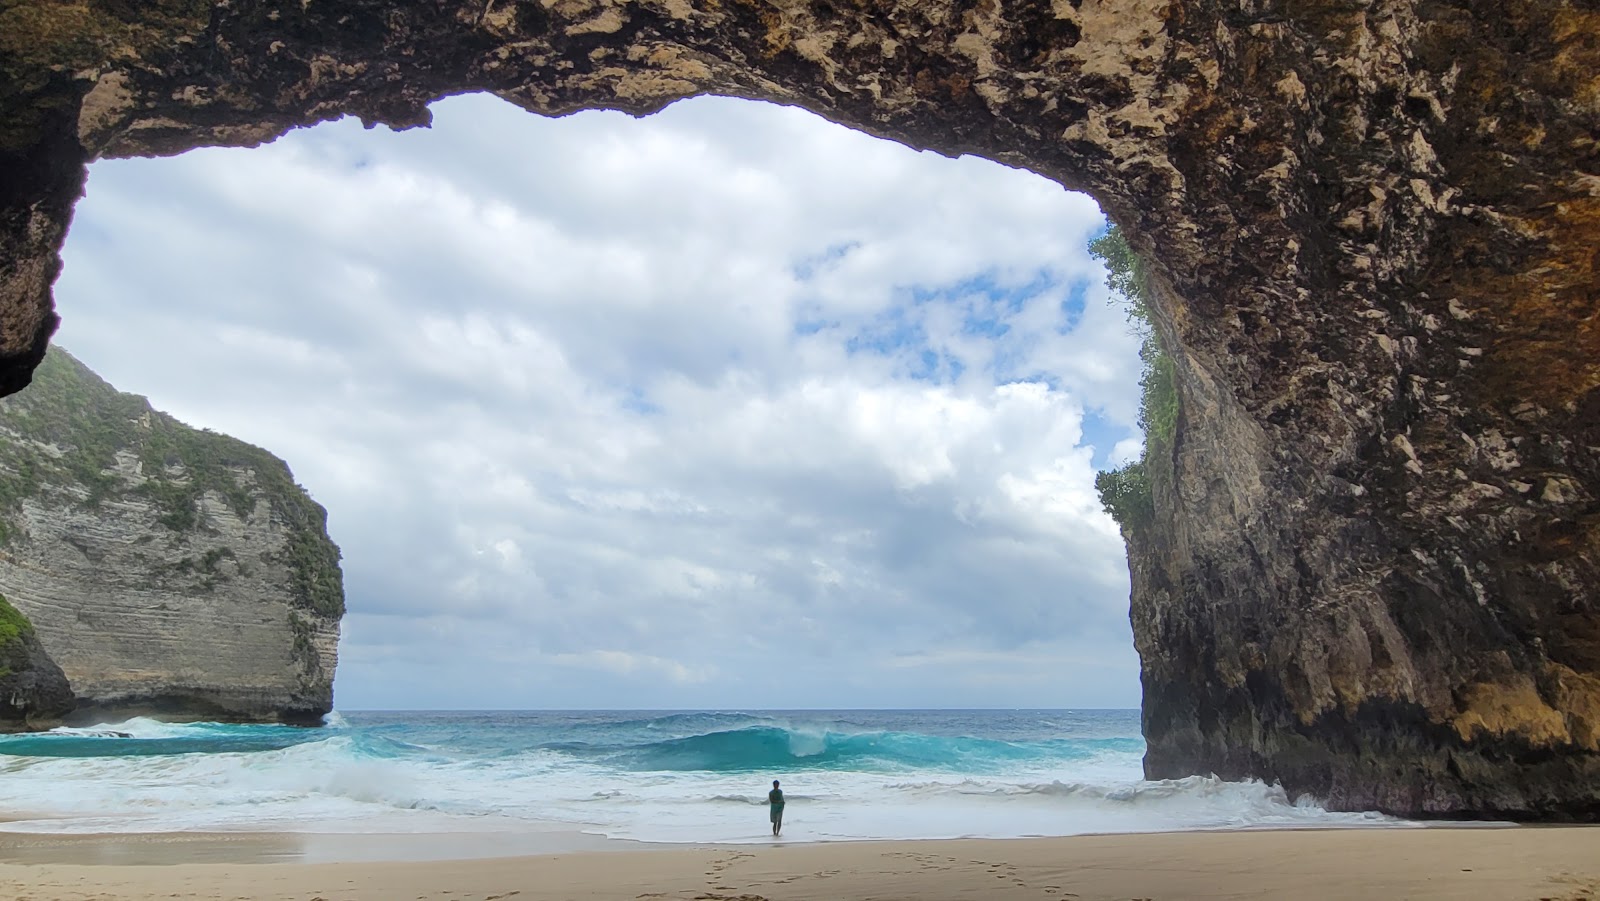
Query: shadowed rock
[[34, 693]]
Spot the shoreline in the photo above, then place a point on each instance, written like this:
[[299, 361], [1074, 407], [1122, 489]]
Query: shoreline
[[542, 840], [1560, 863], [251, 847], [301, 848]]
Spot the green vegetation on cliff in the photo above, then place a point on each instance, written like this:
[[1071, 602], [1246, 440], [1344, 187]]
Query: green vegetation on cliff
[[1126, 492], [71, 431], [14, 627]]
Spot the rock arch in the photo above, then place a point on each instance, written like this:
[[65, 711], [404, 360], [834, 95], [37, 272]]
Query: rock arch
[[1375, 570]]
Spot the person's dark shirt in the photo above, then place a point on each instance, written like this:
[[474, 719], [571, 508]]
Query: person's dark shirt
[[775, 797]]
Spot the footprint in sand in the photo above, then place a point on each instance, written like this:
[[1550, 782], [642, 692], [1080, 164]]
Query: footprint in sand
[[718, 866], [928, 861]]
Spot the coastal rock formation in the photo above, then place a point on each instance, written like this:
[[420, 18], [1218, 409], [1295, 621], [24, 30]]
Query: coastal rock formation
[[168, 570], [1373, 566], [34, 693]]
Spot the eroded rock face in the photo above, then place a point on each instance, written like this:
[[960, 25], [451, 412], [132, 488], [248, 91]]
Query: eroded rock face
[[1372, 229], [168, 571]]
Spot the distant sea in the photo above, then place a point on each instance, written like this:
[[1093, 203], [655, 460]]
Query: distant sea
[[691, 776]]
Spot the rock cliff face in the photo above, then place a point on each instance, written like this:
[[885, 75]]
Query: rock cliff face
[[34, 693], [1371, 227], [167, 570]]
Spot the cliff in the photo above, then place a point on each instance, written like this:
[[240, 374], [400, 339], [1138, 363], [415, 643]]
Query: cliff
[[1373, 572], [34, 692], [166, 569]]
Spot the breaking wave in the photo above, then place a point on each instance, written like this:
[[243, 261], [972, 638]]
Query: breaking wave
[[692, 777]]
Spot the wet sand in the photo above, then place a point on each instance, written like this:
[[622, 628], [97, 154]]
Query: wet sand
[[1435, 863]]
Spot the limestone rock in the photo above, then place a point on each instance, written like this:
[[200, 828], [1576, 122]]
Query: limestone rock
[[167, 570], [34, 693], [1374, 573]]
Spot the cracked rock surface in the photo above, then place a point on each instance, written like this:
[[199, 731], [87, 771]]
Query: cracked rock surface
[[1374, 572]]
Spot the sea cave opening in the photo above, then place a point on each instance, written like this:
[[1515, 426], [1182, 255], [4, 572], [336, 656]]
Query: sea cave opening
[[725, 407], [1371, 579]]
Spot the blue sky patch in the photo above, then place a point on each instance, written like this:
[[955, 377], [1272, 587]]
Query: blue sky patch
[[1103, 434], [635, 400], [808, 267], [1072, 307]]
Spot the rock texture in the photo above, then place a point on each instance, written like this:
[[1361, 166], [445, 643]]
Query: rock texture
[[167, 570], [34, 693], [1371, 226]]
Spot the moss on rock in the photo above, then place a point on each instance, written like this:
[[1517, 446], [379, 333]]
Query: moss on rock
[[34, 692], [13, 628]]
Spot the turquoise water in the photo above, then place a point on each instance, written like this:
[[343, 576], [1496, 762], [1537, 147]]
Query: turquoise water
[[648, 775]]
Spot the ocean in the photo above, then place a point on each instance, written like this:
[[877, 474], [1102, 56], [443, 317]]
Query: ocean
[[654, 776]]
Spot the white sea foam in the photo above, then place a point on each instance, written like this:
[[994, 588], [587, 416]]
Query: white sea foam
[[348, 780], [138, 727]]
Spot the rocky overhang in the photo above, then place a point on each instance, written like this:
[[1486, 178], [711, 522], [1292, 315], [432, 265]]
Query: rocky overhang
[[1373, 573]]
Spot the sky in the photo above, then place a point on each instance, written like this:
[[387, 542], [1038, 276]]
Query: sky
[[728, 407]]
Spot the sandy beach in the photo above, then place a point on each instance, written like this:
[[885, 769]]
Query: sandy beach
[[1443, 863]]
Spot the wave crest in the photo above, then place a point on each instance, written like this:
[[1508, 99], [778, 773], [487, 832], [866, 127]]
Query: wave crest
[[755, 748]]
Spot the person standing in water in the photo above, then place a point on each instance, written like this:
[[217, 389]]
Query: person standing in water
[[775, 798]]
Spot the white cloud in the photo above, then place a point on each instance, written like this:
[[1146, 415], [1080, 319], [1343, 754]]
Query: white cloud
[[1127, 450], [623, 663], [725, 407]]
